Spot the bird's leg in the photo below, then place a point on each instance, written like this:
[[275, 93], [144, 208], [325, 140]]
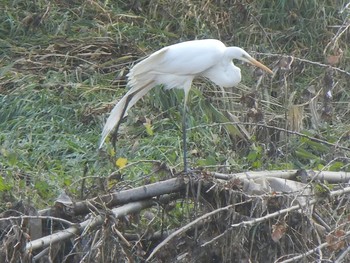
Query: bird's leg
[[184, 137], [184, 126], [114, 138]]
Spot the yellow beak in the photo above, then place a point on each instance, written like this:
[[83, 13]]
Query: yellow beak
[[259, 65]]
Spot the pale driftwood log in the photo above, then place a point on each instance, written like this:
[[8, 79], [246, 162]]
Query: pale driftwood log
[[178, 184], [165, 187], [132, 195], [331, 177], [91, 223], [126, 196], [86, 225]]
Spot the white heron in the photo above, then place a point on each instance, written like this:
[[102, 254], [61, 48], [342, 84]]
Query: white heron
[[176, 66]]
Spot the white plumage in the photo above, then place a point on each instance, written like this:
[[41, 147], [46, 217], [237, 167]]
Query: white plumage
[[176, 66]]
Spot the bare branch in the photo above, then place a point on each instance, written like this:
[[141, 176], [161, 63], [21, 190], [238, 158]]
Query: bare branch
[[331, 177], [305, 61], [276, 214], [276, 128], [130, 195], [188, 226], [86, 225]]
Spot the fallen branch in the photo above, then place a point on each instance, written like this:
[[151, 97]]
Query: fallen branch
[[318, 248], [126, 196], [189, 225], [255, 221], [64, 221], [90, 224], [331, 177]]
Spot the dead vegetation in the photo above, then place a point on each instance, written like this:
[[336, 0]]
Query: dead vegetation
[[213, 218]]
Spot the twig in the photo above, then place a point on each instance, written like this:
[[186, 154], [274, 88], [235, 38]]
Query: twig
[[189, 225], [320, 221], [44, 252], [318, 248], [42, 57], [87, 224], [258, 220], [120, 235], [276, 128], [304, 60], [343, 28], [280, 212], [264, 31], [38, 217], [342, 255], [298, 257]]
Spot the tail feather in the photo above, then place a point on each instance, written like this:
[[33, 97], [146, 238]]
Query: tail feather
[[120, 110], [141, 79]]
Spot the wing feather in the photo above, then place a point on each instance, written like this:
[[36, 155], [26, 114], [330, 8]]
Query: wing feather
[[174, 66]]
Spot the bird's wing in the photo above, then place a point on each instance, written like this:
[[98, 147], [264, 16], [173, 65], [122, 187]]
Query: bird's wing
[[173, 66], [140, 82], [186, 58]]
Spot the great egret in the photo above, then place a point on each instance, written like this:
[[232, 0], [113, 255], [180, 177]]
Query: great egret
[[176, 66]]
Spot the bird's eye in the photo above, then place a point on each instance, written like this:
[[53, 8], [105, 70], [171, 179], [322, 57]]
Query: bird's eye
[[245, 56]]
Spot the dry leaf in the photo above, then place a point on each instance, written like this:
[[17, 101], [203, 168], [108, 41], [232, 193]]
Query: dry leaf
[[278, 231], [335, 240]]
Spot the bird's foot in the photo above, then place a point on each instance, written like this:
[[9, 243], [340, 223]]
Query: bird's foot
[[191, 174]]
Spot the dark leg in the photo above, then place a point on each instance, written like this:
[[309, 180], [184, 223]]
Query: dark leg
[[114, 138], [184, 137]]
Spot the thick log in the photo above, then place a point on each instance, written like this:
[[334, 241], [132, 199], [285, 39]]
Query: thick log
[[123, 197]]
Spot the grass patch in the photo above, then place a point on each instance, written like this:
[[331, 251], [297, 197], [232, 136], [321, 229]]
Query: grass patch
[[64, 67]]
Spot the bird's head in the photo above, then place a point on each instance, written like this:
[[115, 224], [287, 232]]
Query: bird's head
[[240, 54]]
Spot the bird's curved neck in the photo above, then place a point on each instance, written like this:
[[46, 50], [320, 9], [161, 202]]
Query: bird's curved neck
[[233, 52]]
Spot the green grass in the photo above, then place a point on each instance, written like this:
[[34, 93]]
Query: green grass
[[63, 68]]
